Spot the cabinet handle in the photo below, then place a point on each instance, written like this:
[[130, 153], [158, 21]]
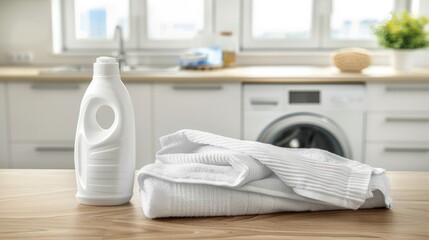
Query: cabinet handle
[[54, 149], [393, 88], [54, 86], [406, 149], [406, 119], [197, 87], [264, 103]]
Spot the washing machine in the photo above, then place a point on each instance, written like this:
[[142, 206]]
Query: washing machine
[[324, 116]]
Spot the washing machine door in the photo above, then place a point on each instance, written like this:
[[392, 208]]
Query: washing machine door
[[307, 130]]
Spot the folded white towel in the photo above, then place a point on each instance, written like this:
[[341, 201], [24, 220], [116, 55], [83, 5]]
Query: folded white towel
[[202, 174]]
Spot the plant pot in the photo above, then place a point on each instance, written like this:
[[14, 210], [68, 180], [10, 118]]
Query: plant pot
[[402, 60]]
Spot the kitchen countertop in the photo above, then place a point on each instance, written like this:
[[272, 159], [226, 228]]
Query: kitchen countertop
[[255, 74], [41, 204]]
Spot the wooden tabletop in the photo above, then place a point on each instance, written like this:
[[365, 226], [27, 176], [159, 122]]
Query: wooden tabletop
[[40, 204], [245, 74]]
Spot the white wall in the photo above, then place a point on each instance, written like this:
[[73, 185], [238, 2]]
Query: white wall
[[26, 26]]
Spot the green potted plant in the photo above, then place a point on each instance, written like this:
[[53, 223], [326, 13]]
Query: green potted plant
[[404, 34]]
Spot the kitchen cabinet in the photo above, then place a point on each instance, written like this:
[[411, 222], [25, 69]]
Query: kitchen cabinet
[[4, 159], [398, 125], [211, 107], [43, 119], [45, 112]]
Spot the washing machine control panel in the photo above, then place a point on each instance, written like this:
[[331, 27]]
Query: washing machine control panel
[[304, 97], [290, 97], [333, 97]]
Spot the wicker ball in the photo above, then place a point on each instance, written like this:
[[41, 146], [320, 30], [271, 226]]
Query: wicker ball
[[351, 59]]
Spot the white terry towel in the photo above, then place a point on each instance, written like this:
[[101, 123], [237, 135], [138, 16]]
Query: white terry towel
[[203, 174]]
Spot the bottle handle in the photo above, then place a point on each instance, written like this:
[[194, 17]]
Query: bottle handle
[[94, 133]]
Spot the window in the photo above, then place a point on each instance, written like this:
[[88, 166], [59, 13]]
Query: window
[[146, 24], [351, 22], [286, 19], [180, 20], [153, 25], [288, 24], [90, 24], [97, 19], [279, 23], [353, 19], [176, 25]]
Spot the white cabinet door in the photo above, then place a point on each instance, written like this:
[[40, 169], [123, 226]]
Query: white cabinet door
[[398, 156], [3, 129], [208, 107], [43, 119], [398, 126], [398, 97], [141, 97], [44, 111], [42, 155]]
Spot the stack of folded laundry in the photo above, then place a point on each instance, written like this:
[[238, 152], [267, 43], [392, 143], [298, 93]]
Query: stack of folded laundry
[[203, 174]]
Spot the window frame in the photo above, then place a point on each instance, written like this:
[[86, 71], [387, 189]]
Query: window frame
[[238, 11], [138, 38], [248, 42], [68, 30], [321, 30]]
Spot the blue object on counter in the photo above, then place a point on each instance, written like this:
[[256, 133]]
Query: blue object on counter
[[210, 56]]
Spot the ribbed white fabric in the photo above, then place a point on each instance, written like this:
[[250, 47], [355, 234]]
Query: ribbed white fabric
[[202, 174]]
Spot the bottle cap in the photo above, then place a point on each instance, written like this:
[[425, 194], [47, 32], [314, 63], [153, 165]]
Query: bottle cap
[[106, 66]]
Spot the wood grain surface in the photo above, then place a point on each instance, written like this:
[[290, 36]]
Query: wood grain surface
[[243, 74], [40, 204]]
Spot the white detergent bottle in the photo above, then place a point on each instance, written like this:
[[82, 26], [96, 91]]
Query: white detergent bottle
[[105, 158]]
